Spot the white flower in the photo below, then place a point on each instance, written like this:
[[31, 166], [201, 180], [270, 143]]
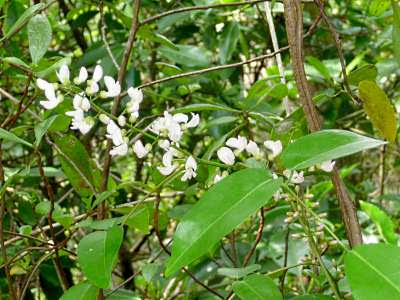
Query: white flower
[[92, 87], [238, 143], [104, 119], [114, 133], [119, 150], [82, 77], [79, 122], [275, 147], [190, 169], [327, 166], [180, 118], [140, 150], [50, 93], [121, 121], [164, 144], [226, 156], [97, 74], [219, 177], [133, 117], [63, 74], [81, 102], [113, 87], [168, 156], [167, 170], [253, 149], [135, 94], [174, 132], [194, 121], [295, 177]]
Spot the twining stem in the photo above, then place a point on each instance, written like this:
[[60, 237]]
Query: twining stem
[[294, 30]]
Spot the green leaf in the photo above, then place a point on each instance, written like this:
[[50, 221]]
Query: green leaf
[[382, 221], [42, 127], [313, 297], [23, 19], [379, 109], [228, 41], [203, 106], [190, 56], [97, 253], [372, 271], [122, 294], [39, 36], [378, 7], [320, 67], [237, 273], [75, 152], [82, 291], [366, 72], [396, 30], [325, 145], [226, 205], [257, 287], [16, 61], [8, 136]]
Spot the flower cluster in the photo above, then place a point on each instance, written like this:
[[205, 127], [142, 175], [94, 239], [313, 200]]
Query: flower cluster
[[240, 144], [170, 129], [82, 105]]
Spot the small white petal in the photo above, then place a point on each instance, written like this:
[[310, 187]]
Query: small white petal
[[63, 74], [119, 150], [135, 94], [139, 149], [43, 84], [274, 146], [113, 87], [104, 119], [238, 143], [121, 121], [252, 148], [194, 121], [226, 156], [327, 166], [83, 76], [164, 144], [180, 118], [191, 163], [97, 74], [167, 170]]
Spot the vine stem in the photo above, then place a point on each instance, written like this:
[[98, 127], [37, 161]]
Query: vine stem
[[294, 30]]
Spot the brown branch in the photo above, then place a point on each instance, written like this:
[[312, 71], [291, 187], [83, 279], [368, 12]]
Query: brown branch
[[115, 108], [199, 7], [50, 193], [294, 29], [257, 240]]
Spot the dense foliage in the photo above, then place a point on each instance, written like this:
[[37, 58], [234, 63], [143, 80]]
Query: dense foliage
[[199, 149]]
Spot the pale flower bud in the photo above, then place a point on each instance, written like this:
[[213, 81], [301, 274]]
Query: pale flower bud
[[226, 156]]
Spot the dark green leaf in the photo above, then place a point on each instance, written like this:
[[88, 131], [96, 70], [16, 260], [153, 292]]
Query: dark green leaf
[[228, 41], [237, 273], [82, 291], [42, 127], [366, 72], [8, 136], [97, 253], [39, 35], [257, 287], [226, 205]]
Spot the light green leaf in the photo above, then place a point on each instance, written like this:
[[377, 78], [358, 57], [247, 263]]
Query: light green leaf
[[82, 291], [122, 294], [228, 41], [257, 287], [237, 273], [226, 205], [16, 61], [23, 19], [373, 271], [325, 145], [379, 109], [190, 56], [39, 36], [319, 66], [382, 221], [42, 127], [221, 121], [97, 253], [313, 297], [203, 106], [8, 136], [378, 7], [396, 30], [366, 72]]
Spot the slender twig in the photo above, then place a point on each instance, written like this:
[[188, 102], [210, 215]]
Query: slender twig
[[382, 174], [199, 7], [117, 100], [257, 240], [339, 48], [278, 58], [104, 35], [285, 260]]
